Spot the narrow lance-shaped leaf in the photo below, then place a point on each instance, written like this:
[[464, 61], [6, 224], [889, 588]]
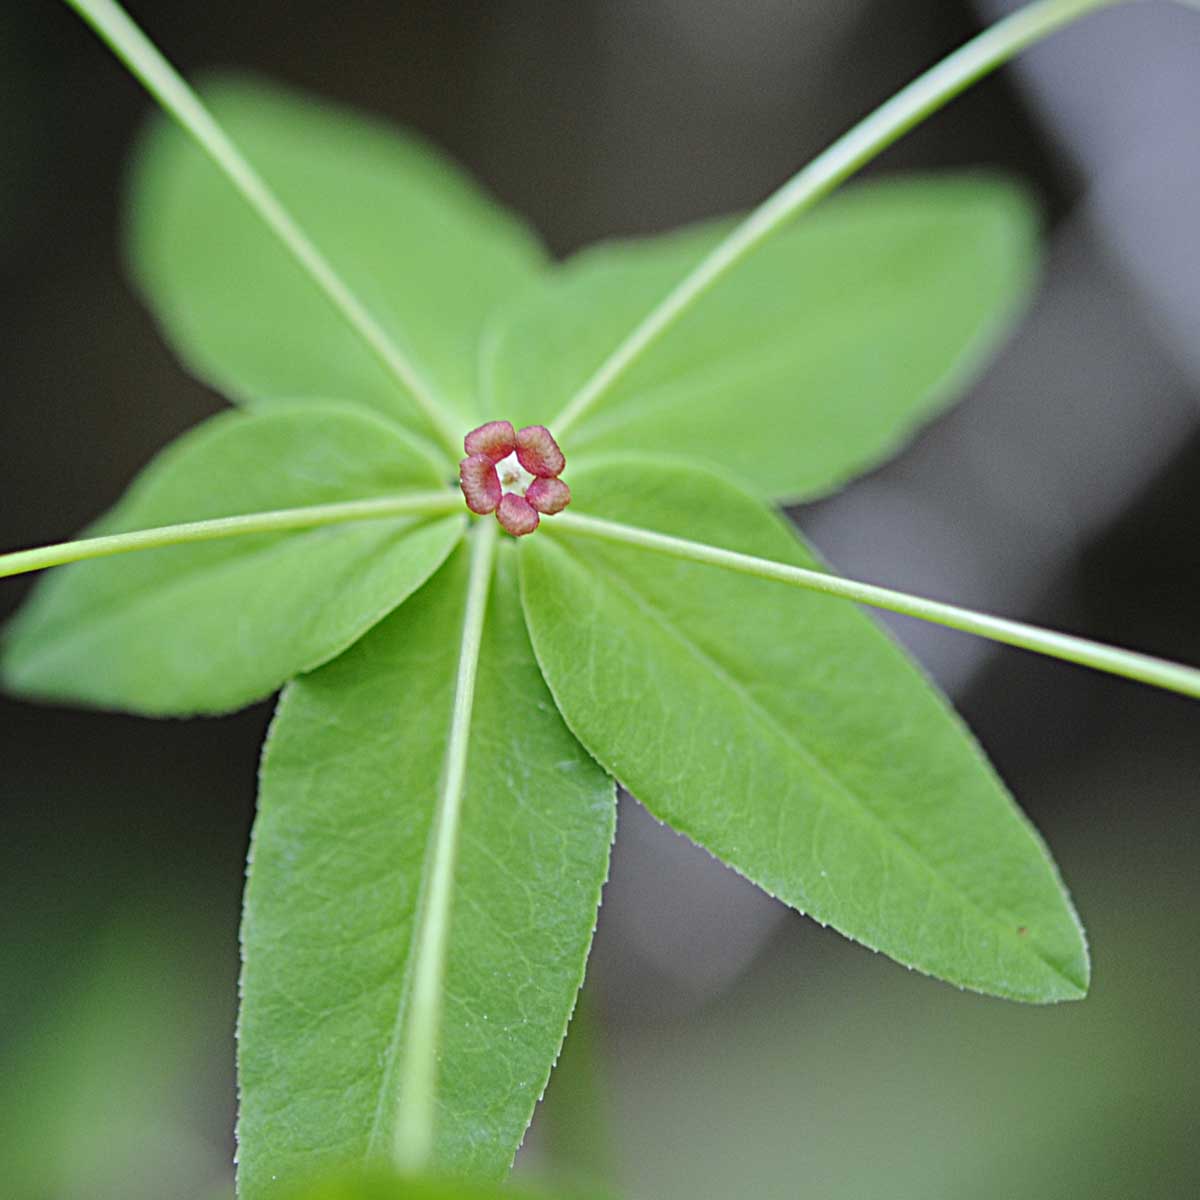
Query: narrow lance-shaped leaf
[[418, 244], [793, 738], [349, 783], [214, 626], [809, 362]]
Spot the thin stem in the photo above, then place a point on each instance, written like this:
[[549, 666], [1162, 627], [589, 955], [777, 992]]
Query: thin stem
[[907, 108], [413, 1143], [428, 504], [168, 87], [1142, 667]]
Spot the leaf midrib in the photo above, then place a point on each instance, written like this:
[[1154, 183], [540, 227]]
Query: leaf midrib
[[750, 367], [181, 580], [439, 866], [802, 751]]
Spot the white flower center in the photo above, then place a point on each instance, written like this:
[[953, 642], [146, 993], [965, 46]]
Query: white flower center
[[513, 476]]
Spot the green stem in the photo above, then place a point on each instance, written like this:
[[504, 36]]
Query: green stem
[[165, 84], [427, 504], [1142, 667], [907, 108], [413, 1141]]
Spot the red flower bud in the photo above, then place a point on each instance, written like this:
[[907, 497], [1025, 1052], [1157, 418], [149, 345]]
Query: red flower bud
[[496, 439], [516, 514], [485, 474], [538, 452], [548, 496], [480, 484]]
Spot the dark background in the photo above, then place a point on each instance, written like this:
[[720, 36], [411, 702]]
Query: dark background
[[738, 1046]]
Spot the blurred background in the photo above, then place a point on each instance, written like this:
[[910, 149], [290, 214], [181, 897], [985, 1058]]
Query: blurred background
[[728, 1046]]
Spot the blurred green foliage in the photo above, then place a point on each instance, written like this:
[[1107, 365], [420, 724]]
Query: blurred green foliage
[[830, 1074], [111, 1092]]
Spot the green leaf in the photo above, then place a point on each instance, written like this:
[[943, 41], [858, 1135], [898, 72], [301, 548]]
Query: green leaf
[[216, 625], [349, 785], [382, 1185], [810, 362], [791, 737], [413, 238], [99, 1092]]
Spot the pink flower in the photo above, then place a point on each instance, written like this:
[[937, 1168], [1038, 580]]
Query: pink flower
[[514, 474]]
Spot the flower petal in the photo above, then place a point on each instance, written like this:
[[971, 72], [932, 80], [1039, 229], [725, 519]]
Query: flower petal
[[496, 439], [479, 482], [548, 496], [517, 515], [538, 452]]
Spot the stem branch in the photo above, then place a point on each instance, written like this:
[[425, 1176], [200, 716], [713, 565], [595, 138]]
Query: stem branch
[[906, 109], [167, 86], [1127, 663], [427, 504]]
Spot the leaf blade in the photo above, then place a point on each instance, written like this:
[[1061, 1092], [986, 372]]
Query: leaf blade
[[349, 776], [816, 358], [426, 253], [736, 713], [384, 1185], [212, 626], [387, 1186]]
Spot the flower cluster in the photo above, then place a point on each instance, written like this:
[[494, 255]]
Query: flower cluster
[[513, 473]]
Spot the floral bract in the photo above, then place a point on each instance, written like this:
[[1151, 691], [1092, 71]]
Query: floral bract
[[513, 473]]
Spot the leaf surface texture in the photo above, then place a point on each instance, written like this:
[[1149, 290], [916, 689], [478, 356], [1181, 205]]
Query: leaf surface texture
[[425, 251], [810, 361], [348, 789], [213, 626], [790, 736]]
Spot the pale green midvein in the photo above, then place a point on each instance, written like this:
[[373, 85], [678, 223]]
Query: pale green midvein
[[164, 83], [906, 109], [426, 504], [1142, 667], [417, 1080]]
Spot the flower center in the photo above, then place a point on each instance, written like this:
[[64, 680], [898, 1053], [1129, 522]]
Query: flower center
[[513, 473], [513, 476]]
